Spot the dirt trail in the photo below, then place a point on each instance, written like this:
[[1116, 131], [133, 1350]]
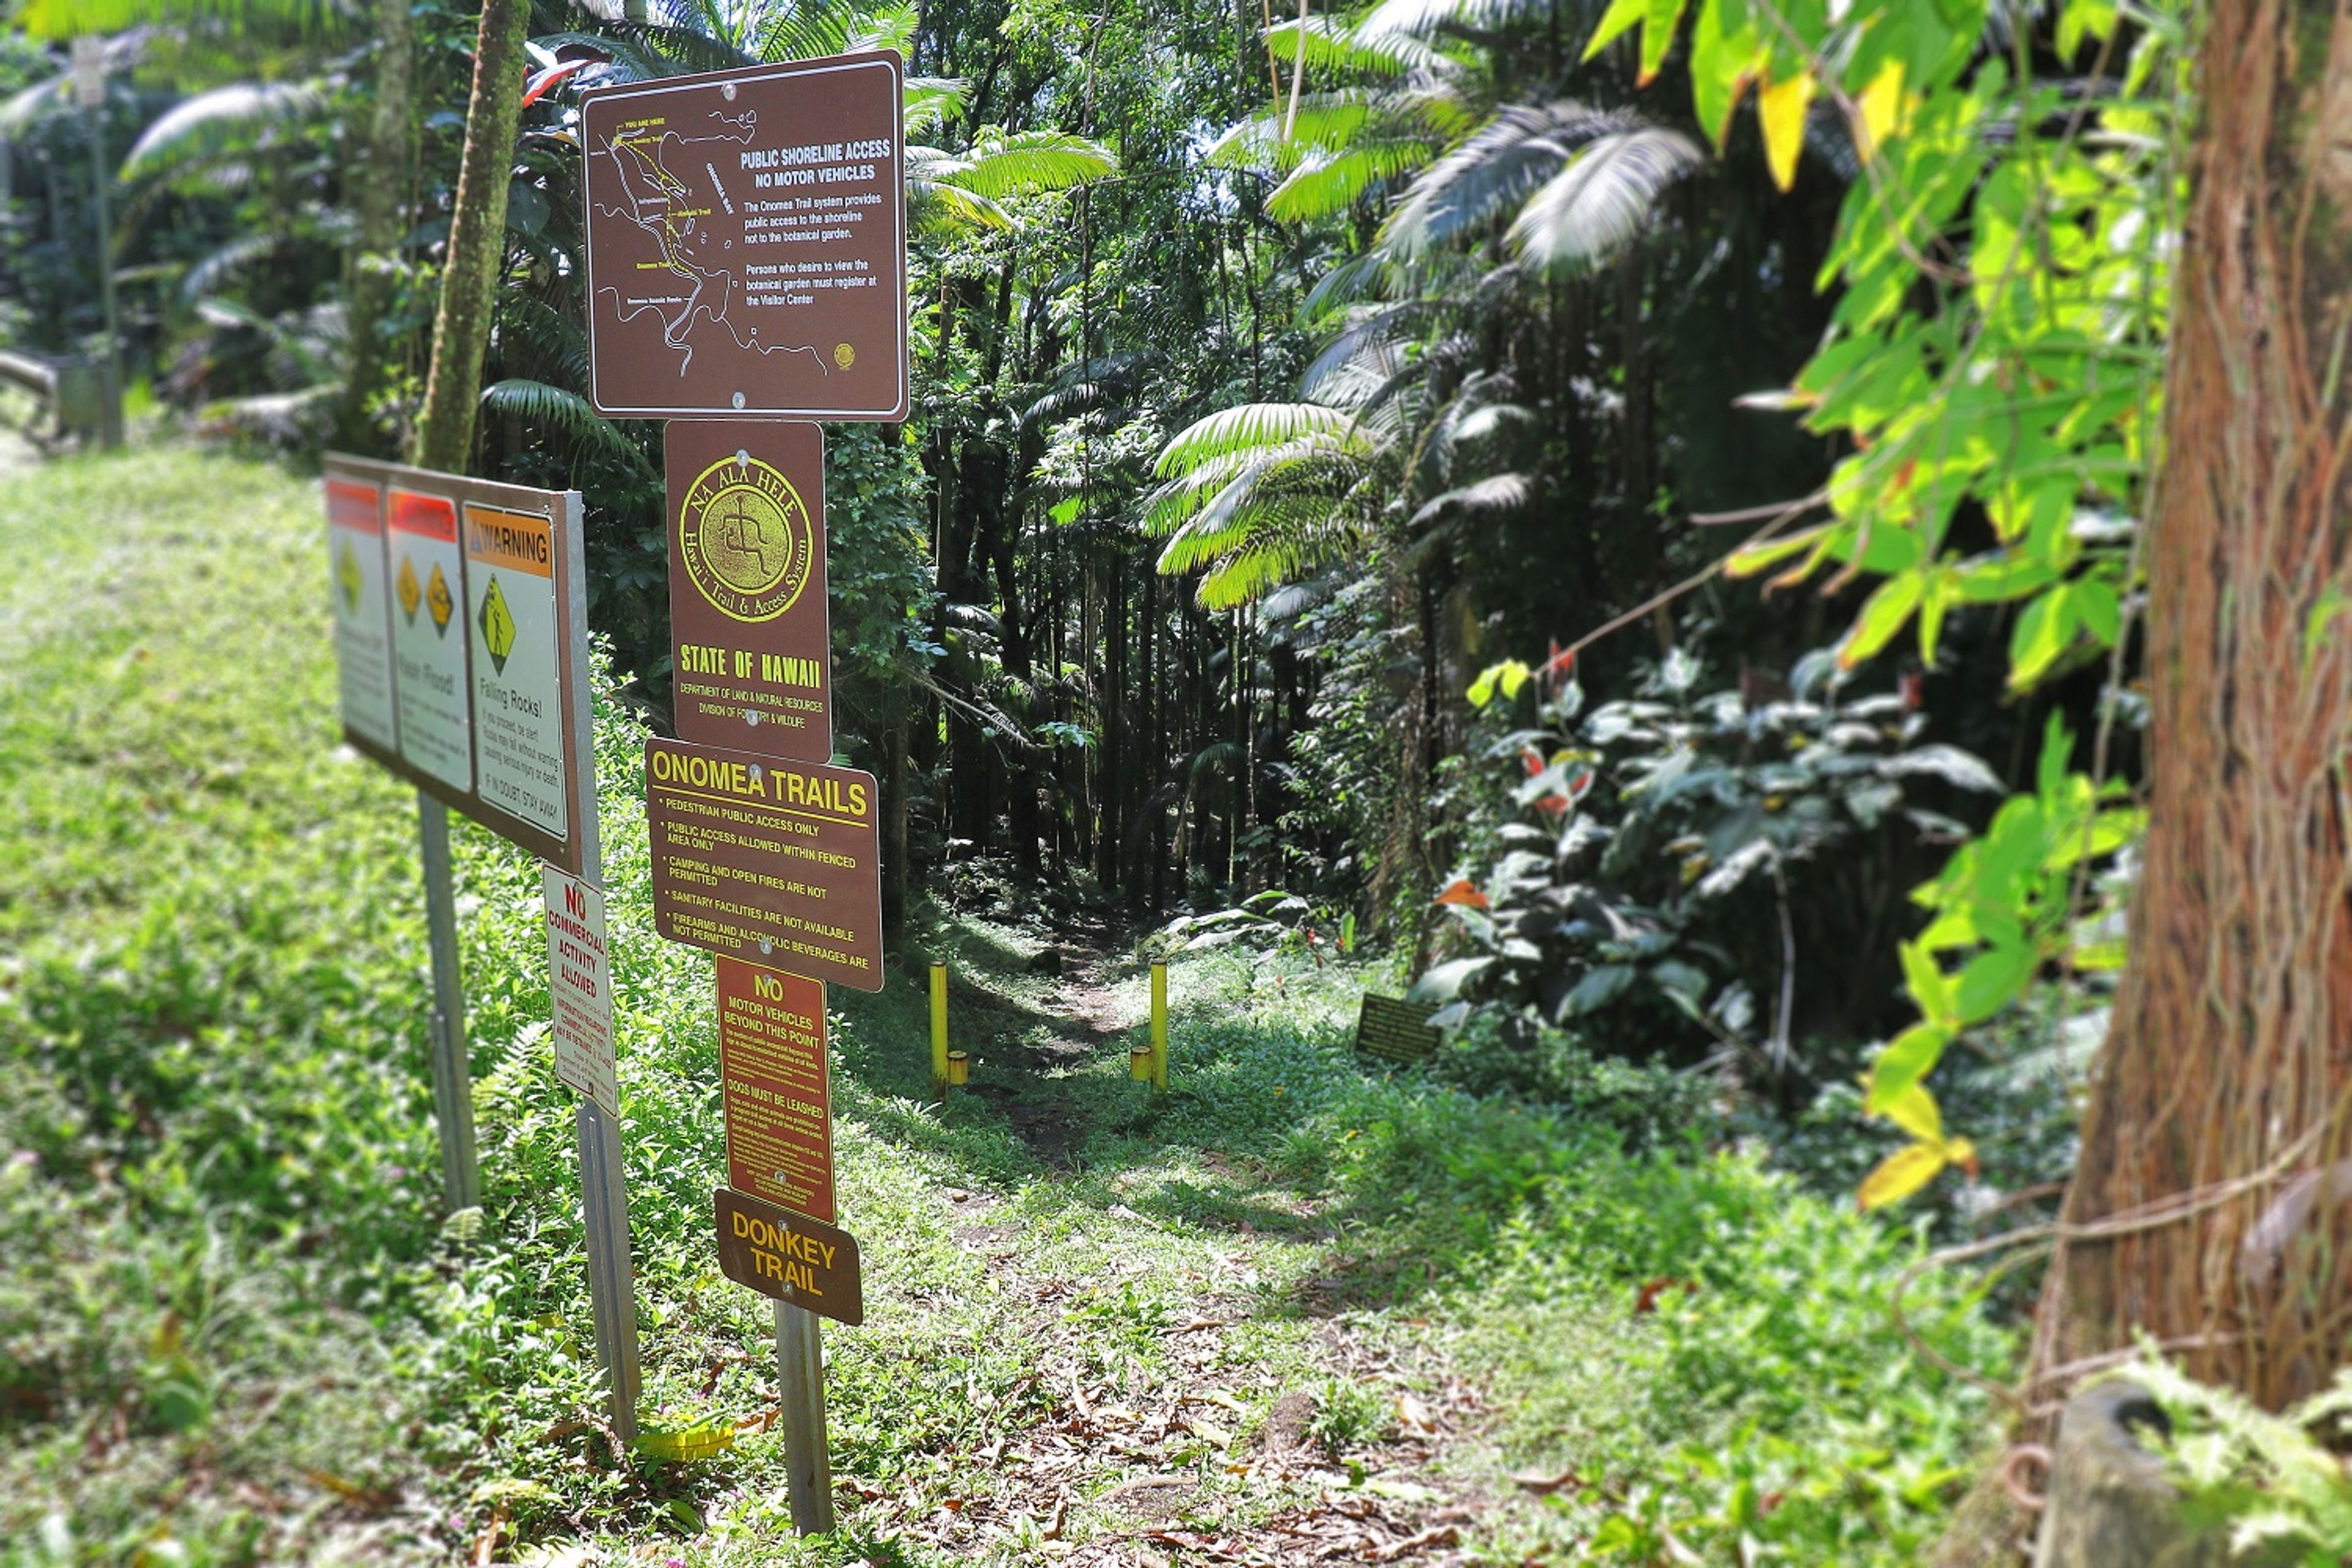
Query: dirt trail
[[1205, 1457]]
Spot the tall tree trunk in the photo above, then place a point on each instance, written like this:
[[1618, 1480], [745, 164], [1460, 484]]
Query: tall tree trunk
[[477, 240], [381, 184], [2215, 1145]]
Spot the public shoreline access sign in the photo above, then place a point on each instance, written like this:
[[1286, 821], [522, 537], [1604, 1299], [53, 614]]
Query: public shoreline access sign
[[475, 690], [747, 242]]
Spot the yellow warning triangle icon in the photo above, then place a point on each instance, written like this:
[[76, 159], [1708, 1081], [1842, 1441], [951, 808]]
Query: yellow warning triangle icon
[[406, 585], [347, 577], [437, 600], [497, 622]]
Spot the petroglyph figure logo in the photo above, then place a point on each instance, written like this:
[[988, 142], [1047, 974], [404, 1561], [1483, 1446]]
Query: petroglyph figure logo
[[744, 535]]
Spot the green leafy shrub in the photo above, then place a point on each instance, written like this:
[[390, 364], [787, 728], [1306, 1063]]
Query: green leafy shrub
[[1689, 873]]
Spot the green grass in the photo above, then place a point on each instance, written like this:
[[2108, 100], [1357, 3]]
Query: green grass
[[236, 1327]]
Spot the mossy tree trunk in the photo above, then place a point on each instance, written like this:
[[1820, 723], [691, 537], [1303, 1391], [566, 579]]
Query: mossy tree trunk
[[2208, 1206], [477, 240], [381, 183]]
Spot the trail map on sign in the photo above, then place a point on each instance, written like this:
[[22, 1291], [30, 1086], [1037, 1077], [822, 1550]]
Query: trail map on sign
[[747, 242]]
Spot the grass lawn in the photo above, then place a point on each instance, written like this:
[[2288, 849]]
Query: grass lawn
[[1302, 1311]]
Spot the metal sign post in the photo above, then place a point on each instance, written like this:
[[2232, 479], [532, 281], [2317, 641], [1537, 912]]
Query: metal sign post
[[89, 91], [461, 636], [800, 1379], [746, 257], [453, 1089]]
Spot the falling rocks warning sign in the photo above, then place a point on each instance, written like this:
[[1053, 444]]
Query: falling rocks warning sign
[[772, 1062], [772, 862], [790, 1256]]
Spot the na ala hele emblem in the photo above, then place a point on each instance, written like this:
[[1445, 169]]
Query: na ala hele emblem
[[743, 532]]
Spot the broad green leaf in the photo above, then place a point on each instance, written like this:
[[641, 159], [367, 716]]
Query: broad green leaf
[[1942, 589], [2099, 609], [1900, 1174], [1931, 987], [1781, 107], [1881, 618], [1658, 36], [1621, 18], [1750, 559], [1724, 59], [1991, 980], [2044, 631], [1507, 678], [1908, 1058]]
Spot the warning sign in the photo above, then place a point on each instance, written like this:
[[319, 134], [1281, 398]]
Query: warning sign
[[436, 732], [478, 678], [580, 988], [363, 610], [518, 693], [772, 1063], [770, 861], [790, 1256], [749, 633]]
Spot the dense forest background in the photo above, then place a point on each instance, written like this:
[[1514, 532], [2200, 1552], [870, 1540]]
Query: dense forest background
[[1329, 433]]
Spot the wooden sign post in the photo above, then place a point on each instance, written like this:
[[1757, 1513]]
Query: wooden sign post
[[747, 268]]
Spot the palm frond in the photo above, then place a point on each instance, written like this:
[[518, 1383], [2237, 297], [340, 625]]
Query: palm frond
[[562, 413], [1496, 167], [1333, 45], [1600, 199], [1029, 163], [932, 101], [223, 263], [1496, 493], [1250, 426], [1328, 182], [241, 116], [28, 108], [1327, 121], [1424, 18]]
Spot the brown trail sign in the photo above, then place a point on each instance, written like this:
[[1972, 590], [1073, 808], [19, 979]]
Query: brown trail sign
[[748, 632], [790, 1256], [770, 861], [747, 242], [774, 1092]]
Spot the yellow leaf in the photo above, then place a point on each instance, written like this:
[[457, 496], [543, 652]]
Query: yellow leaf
[[1916, 1111], [1882, 107], [1900, 1174], [693, 1443], [1782, 109]]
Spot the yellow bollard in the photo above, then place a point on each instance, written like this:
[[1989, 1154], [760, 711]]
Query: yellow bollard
[[1139, 1064], [1160, 1027], [958, 1068], [940, 1078]]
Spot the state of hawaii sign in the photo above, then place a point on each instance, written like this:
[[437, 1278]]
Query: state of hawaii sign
[[747, 242]]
